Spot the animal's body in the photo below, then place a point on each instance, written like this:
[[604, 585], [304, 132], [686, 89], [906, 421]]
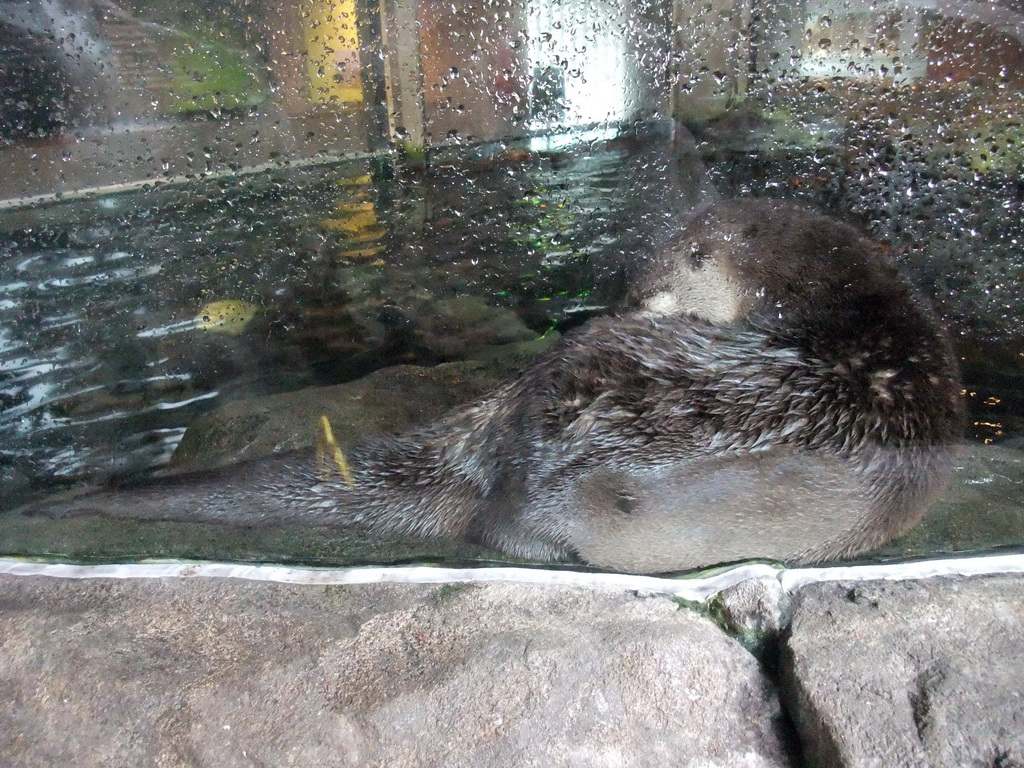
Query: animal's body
[[776, 390]]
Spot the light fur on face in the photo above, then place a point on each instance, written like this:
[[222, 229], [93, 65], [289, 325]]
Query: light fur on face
[[707, 292]]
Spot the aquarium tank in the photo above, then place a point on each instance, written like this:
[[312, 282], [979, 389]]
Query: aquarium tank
[[235, 228]]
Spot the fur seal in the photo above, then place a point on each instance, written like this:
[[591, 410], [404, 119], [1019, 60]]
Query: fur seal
[[776, 389]]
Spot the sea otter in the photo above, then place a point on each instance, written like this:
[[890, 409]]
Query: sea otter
[[775, 389]]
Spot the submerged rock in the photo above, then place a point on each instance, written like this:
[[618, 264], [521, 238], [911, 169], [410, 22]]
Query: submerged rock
[[387, 400]]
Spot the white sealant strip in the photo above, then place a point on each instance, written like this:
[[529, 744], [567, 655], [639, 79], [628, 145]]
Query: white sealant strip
[[794, 578], [693, 589]]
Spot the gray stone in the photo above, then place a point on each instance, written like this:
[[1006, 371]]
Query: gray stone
[[456, 327], [192, 672], [894, 675], [754, 611]]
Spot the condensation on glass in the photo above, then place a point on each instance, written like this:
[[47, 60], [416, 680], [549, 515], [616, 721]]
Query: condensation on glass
[[208, 204]]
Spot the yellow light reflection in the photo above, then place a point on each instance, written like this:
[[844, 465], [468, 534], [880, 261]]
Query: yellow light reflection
[[332, 51]]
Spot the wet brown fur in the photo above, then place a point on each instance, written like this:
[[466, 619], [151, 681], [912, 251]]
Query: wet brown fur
[[817, 423]]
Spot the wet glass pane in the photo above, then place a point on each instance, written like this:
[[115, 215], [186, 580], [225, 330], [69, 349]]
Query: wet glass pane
[[232, 229]]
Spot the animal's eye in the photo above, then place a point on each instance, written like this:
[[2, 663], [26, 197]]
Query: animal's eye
[[697, 255]]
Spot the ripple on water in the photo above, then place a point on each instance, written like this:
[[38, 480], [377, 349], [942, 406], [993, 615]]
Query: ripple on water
[[104, 357]]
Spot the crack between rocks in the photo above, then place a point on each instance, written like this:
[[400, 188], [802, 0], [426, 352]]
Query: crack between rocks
[[770, 662], [920, 703]]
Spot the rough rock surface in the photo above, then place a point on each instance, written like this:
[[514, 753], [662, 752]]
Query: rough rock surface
[[753, 611], [194, 672], [909, 674]]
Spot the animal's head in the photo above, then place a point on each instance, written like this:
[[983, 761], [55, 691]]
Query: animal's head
[[739, 258]]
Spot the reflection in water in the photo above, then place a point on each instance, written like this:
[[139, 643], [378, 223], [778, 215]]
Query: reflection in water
[[121, 322]]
